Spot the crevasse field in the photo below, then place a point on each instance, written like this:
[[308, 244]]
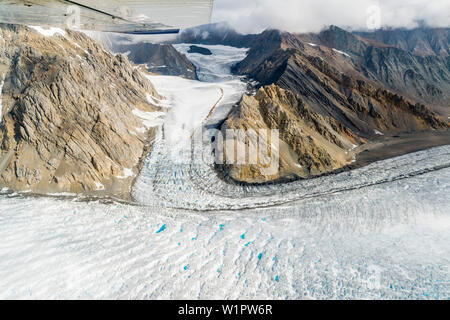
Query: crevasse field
[[380, 232]]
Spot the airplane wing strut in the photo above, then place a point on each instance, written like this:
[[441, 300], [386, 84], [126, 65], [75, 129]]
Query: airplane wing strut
[[143, 16]]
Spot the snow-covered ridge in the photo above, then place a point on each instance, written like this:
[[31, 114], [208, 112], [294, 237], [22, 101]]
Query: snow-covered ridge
[[48, 32]]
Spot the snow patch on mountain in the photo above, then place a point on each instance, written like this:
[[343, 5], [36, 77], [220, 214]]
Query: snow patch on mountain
[[48, 32]]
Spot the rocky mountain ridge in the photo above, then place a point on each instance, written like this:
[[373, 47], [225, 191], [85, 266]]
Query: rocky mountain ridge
[[161, 59], [75, 118], [370, 90]]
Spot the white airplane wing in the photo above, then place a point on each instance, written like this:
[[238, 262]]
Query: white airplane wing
[[122, 16]]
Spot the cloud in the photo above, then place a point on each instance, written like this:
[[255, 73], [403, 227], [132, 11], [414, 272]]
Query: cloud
[[312, 15]]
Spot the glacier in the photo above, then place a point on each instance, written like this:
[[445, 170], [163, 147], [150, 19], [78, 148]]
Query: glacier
[[385, 241]]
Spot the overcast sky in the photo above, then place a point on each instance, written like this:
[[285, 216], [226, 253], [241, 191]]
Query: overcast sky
[[312, 15]]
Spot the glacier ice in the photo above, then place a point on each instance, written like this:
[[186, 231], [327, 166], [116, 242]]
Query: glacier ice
[[384, 241]]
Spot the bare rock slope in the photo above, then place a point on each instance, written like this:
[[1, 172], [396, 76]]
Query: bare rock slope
[[328, 93], [421, 41], [72, 115], [309, 145]]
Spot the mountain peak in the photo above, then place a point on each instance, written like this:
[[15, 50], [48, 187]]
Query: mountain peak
[[70, 114], [422, 41]]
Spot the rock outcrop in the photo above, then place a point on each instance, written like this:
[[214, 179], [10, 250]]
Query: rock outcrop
[[309, 144], [199, 50], [75, 118], [161, 59]]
